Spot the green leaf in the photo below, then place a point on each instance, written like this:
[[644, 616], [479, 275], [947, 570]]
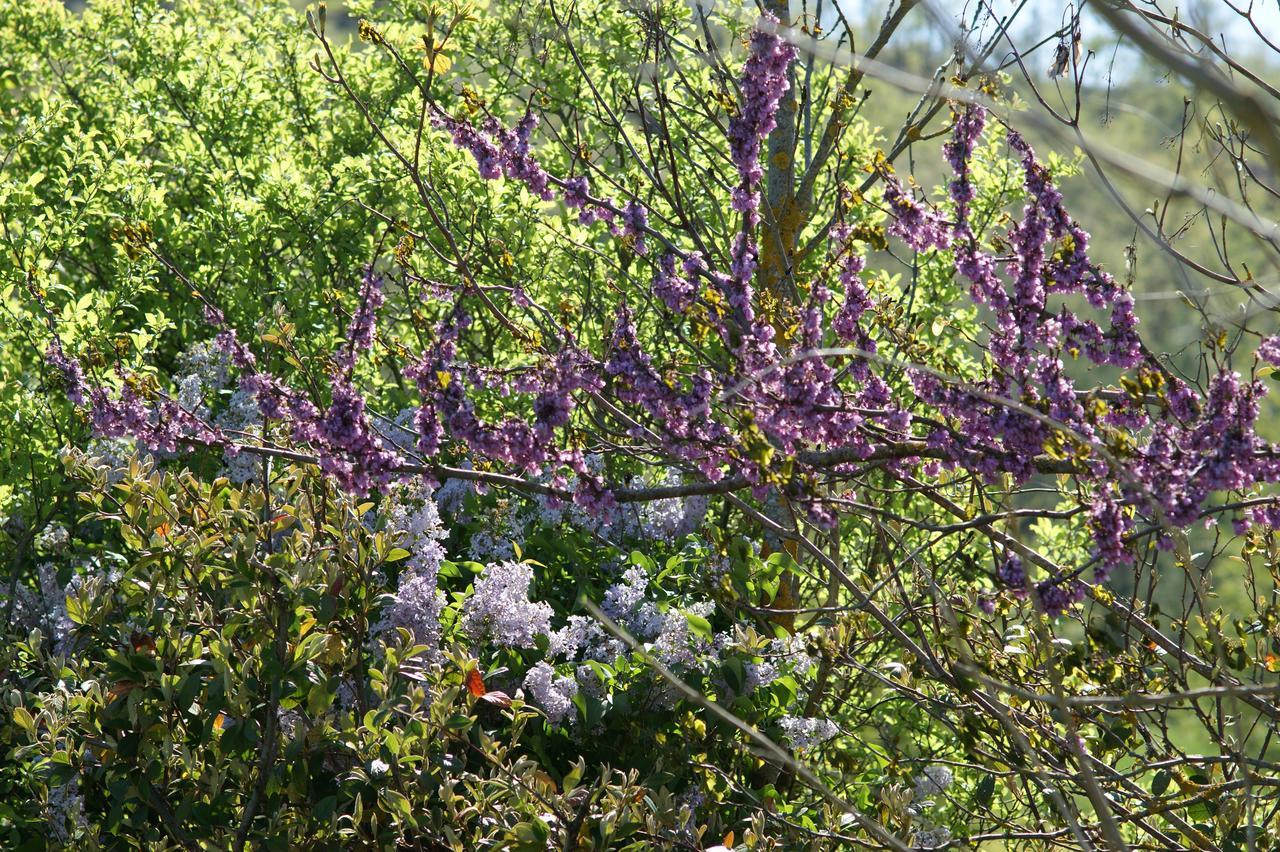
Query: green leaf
[[638, 558], [985, 790], [1160, 783], [396, 803], [22, 718], [699, 625], [458, 722]]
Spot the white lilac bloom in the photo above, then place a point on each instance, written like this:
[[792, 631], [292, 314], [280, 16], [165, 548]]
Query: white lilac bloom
[[66, 811], [622, 599], [413, 519], [672, 518], [758, 675], [627, 604], [931, 782], [346, 698], [415, 606], [665, 520], [790, 655], [499, 607], [692, 800], [289, 721], [451, 496], [784, 656], [112, 456], [676, 644], [203, 369], [53, 538], [552, 511], [590, 681], [806, 733], [45, 607], [503, 527], [411, 513], [241, 416], [401, 431], [552, 693], [207, 363], [582, 637], [934, 838], [191, 394]]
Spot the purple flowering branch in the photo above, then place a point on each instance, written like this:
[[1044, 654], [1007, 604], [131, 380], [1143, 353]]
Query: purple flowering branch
[[773, 401]]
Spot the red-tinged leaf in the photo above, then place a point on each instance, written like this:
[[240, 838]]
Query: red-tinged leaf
[[497, 698], [475, 683], [142, 642], [122, 688]]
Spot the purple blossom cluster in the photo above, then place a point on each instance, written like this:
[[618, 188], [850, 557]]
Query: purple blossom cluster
[[1056, 595], [1269, 350], [673, 286], [763, 84], [1012, 574], [918, 226], [70, 369]]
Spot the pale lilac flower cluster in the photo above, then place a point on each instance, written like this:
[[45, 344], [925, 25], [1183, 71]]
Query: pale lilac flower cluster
[[934, 837], [451, 496], [67, 816], [112, 456], [289, 722], [503, 527], [53, 539], [627, 603], [209, 365], [583, 637], [241, 417], [553, 693], [663, 519], [44, 608], [787, 656], [933, 781], [672, 518], [675, 645], [499, 608], [805, 733], [412, 517]]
